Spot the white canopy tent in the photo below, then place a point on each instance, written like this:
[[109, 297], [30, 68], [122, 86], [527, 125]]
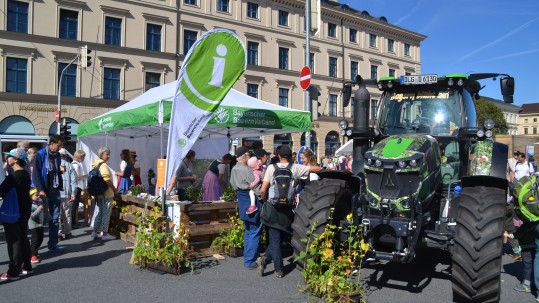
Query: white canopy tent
[[135, 125], [346, 149]]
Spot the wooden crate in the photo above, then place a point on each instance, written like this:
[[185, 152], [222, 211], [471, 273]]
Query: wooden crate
[[124, 225]]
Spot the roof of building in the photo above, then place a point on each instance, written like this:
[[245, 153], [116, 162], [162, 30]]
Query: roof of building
[[505, 107], [530, 108]]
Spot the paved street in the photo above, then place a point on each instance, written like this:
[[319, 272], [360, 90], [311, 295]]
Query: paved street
[[96, 270]]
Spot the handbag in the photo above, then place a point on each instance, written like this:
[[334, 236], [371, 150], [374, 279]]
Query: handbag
[[9, 211]]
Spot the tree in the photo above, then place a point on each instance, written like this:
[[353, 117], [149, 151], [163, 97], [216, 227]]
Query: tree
[[487, 109]]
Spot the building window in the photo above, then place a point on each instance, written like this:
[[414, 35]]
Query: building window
[[69, 82], [374, 72], [372, 40], [534, 119], [354, 68], [407, 74], [535, 130], [153, 37], [17, 16], [252, 53], [390, 45], [526, 120], [111, 83], [391, 72], [152, 80], [311, 62], [525, 130], [189, 38], [252, 90], [223, 6], [16, 75], [353, 35], [283, 97], [406, 49], [190, 2], [113, 31], [332, 30], [333, 67], [283, 58], [374, 105], [69, 21], [252, 10], [332, 105], [283, 18]]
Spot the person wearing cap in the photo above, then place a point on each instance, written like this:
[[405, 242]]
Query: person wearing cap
[[214, 180], [67, 196], [241, 177], [39, 217], [136, 168], [47, 177], [17, 233], [279, 219]]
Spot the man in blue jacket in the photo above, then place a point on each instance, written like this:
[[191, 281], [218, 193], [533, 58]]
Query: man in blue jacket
[[47, 177]]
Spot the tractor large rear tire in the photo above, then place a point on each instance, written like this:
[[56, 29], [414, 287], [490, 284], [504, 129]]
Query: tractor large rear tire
[[315, 206], [477, 254]]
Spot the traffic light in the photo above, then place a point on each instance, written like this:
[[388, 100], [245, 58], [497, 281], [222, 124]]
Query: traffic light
[[65, 129], [314, 93], [86, 59]]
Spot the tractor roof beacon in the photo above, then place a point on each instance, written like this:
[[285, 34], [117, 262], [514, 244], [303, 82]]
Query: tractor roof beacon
[[424, 142]]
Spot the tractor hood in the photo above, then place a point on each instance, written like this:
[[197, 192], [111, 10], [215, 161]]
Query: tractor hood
[[403, 146]]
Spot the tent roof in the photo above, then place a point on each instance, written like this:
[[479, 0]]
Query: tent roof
[[238, 115]]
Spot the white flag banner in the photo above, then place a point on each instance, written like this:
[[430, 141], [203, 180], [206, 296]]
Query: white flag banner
[[210, 69]]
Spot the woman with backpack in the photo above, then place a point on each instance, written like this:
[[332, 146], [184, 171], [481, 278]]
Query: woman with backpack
[[101, 217], [277, 212]]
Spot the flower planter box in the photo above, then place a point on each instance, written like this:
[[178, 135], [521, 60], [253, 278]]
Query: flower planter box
[[161, 267], [235, 252]]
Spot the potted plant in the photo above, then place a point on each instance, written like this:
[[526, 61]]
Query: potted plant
[[229, 194], [158, 249], [230, 241], [194, 193], [135, 190]]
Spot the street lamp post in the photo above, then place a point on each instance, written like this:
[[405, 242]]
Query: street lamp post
[[60, 91]]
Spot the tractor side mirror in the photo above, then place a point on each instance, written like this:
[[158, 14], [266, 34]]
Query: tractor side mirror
[[508, 88]]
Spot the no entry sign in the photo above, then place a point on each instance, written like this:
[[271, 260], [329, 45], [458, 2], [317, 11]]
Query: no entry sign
[[305, 77]]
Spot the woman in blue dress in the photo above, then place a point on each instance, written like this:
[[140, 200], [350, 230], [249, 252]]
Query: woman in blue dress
[[124, 175]]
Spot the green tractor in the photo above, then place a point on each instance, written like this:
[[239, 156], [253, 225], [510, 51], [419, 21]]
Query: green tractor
[[425, 173]]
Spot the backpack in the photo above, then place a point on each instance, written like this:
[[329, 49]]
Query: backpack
[[282, 191], [96, 183]]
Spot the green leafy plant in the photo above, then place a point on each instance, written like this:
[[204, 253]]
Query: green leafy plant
[[232, 237], [135, 190], [329, 265], [155, 245], [229, 194], [194, 193]]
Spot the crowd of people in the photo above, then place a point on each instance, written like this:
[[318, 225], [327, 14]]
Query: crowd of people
[[49, 186]]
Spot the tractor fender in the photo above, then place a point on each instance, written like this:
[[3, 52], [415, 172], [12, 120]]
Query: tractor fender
[[487, 181]]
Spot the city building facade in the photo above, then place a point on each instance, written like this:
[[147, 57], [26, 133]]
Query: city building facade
[[137, 45], [529, 119], [510, 112]]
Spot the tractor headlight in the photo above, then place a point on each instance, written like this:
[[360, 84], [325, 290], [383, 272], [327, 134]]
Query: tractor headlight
[[488, 133], [378, 163], [450, 82], [480, 133], [369, 161], [389, 84], [489, 124], [406, 203], [402, 164], [414, 163], [460, 82], [380, 85]]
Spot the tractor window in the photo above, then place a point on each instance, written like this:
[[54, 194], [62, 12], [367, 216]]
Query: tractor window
[[434, 113]]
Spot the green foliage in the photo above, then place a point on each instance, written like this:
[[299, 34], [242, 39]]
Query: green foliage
[[229, 194], [232, 237], [329, 265], [135, 190], [194, 193], [486, 110], [155, 245]]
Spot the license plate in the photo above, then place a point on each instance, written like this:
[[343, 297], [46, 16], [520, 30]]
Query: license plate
[[422, 79]]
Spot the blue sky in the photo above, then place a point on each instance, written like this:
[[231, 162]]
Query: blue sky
[[472, 36]]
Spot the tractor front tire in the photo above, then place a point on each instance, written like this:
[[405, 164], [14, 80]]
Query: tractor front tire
[[477, 254], [315, 204]]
